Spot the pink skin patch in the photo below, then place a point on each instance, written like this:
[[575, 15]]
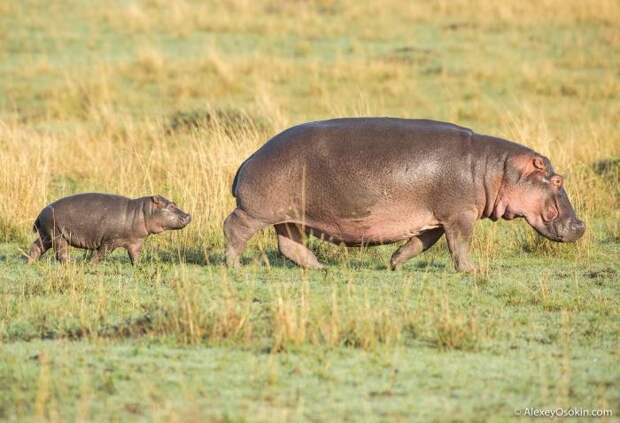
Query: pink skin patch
[[382, 225]]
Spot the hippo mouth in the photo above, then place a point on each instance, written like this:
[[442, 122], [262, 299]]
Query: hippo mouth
[[559, 231], [183, 221], [550, 232], [548, 229], [509, 215]]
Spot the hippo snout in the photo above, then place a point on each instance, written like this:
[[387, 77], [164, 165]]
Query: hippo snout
[[183, 219], [569, 230], [576, 230]]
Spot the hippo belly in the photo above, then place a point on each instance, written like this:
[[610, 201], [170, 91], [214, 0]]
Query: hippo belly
[[384, 226]]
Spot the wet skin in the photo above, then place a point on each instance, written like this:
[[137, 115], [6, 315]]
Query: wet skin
[[368, 181], [103, 222]]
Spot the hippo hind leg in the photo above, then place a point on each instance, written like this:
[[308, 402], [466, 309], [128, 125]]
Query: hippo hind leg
[[38, 248], [239, 227], [415, 246], [291, 245]]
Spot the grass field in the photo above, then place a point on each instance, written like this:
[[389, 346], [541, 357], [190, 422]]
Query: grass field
[[147, 96]]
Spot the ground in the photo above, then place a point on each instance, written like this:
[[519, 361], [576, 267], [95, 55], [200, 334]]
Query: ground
[[170, 341]]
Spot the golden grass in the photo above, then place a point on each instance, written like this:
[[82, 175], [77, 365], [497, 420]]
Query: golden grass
[[196, 168], [102, 124]]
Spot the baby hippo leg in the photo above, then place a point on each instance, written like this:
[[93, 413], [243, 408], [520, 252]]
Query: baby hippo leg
[[38, 248]]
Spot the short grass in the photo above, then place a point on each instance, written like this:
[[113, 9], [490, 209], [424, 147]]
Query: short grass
[[148, 96], [182, 341]]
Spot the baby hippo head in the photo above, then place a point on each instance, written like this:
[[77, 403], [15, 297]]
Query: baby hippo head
[[161, 214]]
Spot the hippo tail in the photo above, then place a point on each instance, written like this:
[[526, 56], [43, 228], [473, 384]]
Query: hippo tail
[[234, 184], [36, 225], [41, 220], [236, 179]]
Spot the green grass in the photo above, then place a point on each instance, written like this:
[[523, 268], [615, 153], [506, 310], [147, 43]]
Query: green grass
[[123, 381], [182, 341], [118, 99]]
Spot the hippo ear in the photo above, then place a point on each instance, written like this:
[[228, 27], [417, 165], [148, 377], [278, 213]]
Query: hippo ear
[[539, 163], [526, 165]]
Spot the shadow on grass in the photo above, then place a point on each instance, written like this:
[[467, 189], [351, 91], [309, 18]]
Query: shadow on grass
[[428, 265], [355, 262], [268, 258]]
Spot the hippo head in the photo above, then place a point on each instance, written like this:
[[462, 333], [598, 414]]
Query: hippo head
[[533, 190], [161, 214]]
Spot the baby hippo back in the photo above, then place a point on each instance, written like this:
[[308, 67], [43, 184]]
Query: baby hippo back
[[92, 219]]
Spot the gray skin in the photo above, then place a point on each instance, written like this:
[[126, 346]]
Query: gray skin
[[369, 181], [103, 222]]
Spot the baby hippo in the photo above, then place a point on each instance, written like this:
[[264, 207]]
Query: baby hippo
[[103, 222]]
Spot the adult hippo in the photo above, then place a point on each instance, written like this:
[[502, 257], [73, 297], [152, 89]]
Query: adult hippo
[[369, 181]]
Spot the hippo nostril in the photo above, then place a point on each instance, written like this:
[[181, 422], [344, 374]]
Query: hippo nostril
[[578, 226], [188, 218]]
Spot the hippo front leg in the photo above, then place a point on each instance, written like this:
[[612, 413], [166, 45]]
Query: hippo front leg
[[133, 250], [100, 253], [459, 231]]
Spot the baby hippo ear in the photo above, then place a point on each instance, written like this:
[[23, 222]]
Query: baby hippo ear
[[158, 201]]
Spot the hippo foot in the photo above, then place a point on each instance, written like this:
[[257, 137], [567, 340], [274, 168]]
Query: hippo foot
[[315, 267], [466, 268], [233, 263]]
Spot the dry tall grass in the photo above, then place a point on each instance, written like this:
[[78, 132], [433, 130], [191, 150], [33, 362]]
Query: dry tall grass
[[102, 123], [196, 168]]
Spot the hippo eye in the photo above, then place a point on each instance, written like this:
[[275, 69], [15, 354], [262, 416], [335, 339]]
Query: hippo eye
[[556, 180]]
